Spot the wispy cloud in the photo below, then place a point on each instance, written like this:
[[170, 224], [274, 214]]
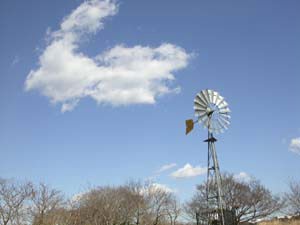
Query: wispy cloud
[[242, 176], [189, 171], [157, 186], [154, 187], [295, 145], [166, 167], [119, 76]]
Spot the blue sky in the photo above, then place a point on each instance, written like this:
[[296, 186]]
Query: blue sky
[[62, 123]]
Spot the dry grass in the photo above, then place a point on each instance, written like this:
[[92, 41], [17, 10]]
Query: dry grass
[[280, 222]]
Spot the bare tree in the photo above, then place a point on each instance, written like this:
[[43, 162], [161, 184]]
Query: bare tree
[[194, 210], [134, 203], [158, 199], [45, 200], [293, 198], [13, 196], [173, 209], [107, 205], [139, 203], [246, 201]]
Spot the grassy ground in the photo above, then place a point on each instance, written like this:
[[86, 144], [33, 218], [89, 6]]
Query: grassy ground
[[281, 222]]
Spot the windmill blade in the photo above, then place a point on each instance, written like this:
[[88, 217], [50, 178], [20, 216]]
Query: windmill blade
[[219, 100], [222, 124], [215, 97], [197, 97], [218, 124], [225, 115], [217, 131], [202, 97], [200, 103], [203, 117], [199, 108], [206, 93], [202, 94], [223, 118], [221, 131], [200, 112], [214, 126], [200, 100], [202, 121], [210, 95], [224, 110], [226, 122], [227, 110], [223, 105]]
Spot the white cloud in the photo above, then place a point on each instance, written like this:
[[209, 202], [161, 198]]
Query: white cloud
[[166, 167], [242, 176], [295, 145], [189, 171], [157, 186], [119, 76], [77, 197]]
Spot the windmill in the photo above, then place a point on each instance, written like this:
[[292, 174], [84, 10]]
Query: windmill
[[212, 112]]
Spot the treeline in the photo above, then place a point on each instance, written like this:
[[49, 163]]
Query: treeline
[[138, 203]]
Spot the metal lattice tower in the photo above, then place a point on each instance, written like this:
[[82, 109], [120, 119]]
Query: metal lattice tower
[[212, 111], [214, 198]]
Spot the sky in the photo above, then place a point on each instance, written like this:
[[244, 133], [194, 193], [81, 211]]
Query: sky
[[97, 92]]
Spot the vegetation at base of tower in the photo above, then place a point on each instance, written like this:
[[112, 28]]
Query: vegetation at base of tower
[[290, 220], [293, 198], [138, 203], [247, 200]]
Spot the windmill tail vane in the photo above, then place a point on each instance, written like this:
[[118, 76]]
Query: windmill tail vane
[[189, 125]]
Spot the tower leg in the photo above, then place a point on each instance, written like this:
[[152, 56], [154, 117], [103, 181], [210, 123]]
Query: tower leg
[[215, 203]]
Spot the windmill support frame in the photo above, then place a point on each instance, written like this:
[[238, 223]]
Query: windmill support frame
[[215, 203], [212, 111]]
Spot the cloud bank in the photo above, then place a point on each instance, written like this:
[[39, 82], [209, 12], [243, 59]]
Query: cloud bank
[[242, 176], [163, 187], [295, 145], [119, 76], [166, 167], [189, 171]]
